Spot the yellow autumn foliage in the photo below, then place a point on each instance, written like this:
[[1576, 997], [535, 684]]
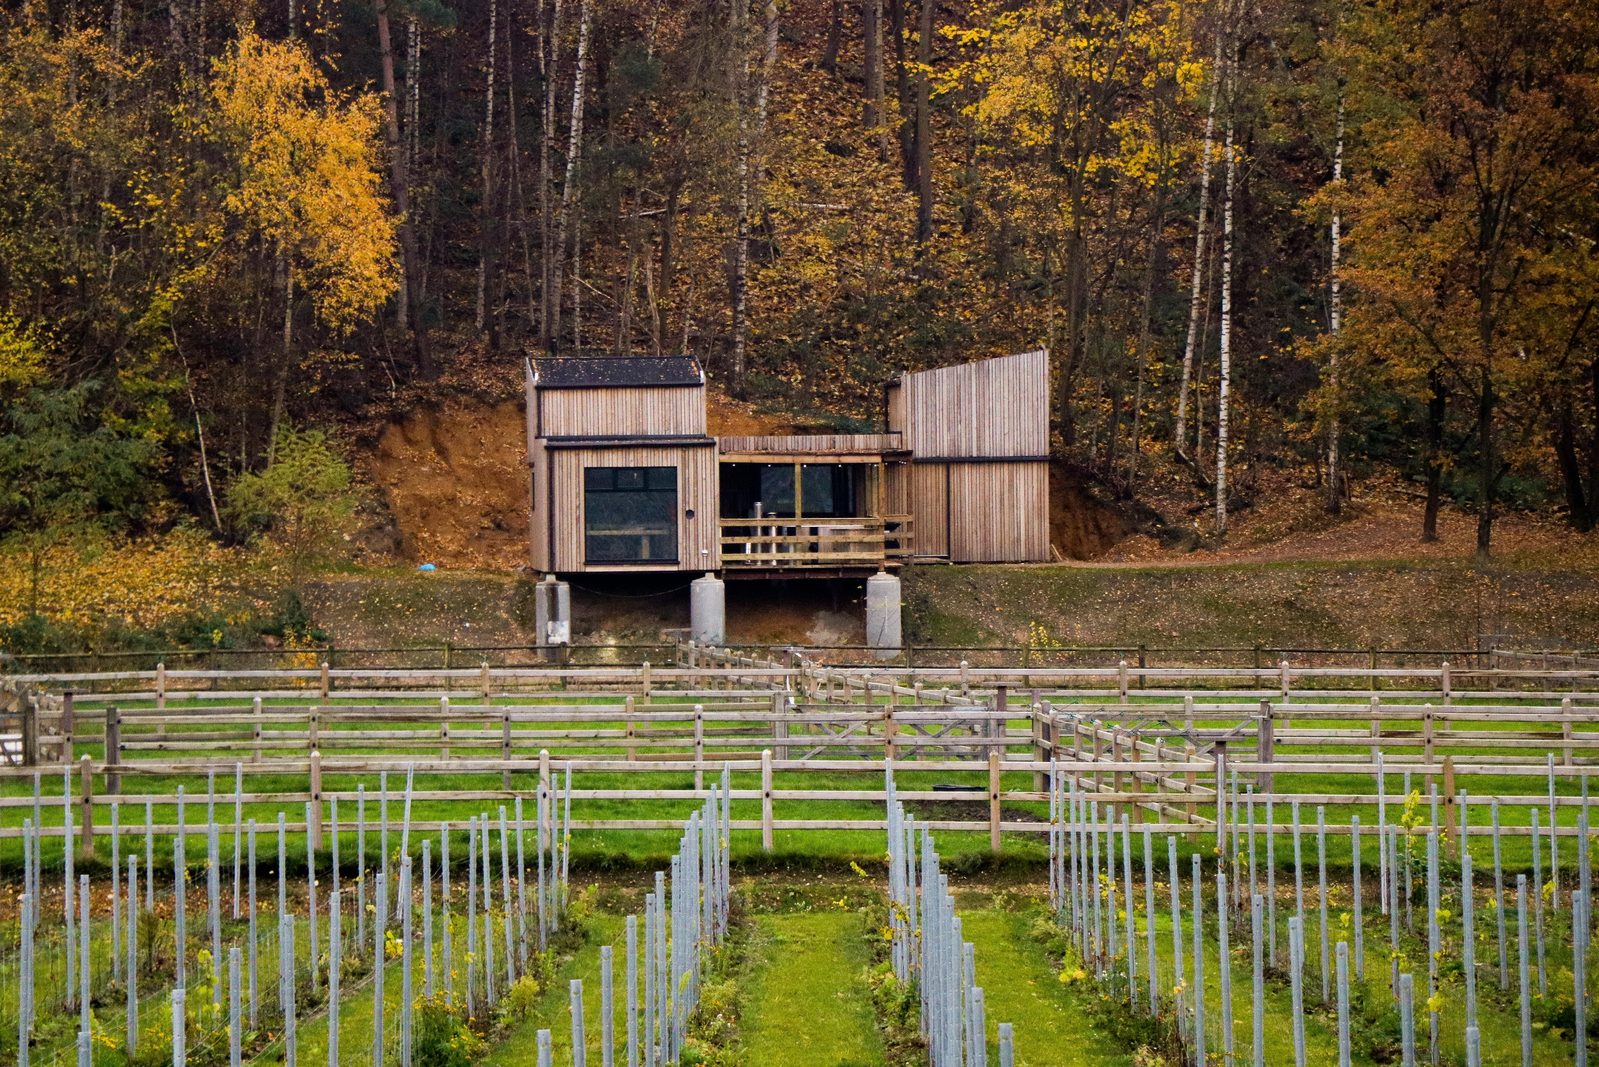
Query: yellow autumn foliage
[[140, 583], [309, 183]]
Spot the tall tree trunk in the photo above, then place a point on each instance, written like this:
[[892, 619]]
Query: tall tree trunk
[[550, 12], [663, 299], [399, 187], [486, 165], [872, 18], [1224, 369], [1197, 288], [1487, 474], [1437, 401], [1146, 321], [835, 34], [413, 92], [1335, 321], [574, 150], [924, 128], [1565, 442], [905, 128]]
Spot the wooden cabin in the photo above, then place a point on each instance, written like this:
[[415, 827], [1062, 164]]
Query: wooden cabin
[[625, 478]]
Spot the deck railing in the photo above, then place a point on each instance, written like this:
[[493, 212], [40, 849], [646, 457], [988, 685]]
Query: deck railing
[[781, 544]]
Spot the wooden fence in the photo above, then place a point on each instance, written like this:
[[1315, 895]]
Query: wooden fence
[[1169, 747]]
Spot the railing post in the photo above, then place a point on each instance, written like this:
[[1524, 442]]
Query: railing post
[[86, 819], [993, 802], [315, 829], [113, 750], [766, 800]]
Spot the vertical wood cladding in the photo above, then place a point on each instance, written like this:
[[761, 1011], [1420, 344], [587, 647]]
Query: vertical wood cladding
[[626, 412]]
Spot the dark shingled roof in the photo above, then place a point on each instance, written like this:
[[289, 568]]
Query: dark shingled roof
[[616, 372]]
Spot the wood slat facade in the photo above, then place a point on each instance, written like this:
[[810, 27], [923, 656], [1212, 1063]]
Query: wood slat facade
[[978, 434]]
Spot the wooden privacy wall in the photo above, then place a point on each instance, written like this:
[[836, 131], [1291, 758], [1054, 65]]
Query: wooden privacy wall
[[979, 434], [698, 538], [994, 407], [653, 411]]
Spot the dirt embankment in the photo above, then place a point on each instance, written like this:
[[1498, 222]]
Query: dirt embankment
[[455, 481]]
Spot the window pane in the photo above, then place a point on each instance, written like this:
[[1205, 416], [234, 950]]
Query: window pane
[[630, 514]]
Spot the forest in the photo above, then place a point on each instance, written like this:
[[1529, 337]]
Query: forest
[[1337, 236]]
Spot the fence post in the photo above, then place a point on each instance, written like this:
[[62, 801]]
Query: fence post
[[256, 732], [1137, 786], [505, 748], [632, 735], [1449, 799], [313, 729], [444, 727], [325, 681], [1426, 734], [113, 749], [315, 829], [890, 732], [1444, 687], [28, 712], [1265, 745], [86, 785], [780, 722], [644, 681], [68, 726], [1190, 783], [484, 683], [993, 801], [544, 791], [699, 747], [766, 800], [1566, 728]]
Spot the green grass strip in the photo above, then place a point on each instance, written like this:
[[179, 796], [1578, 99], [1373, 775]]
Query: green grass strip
[[808, 1004], [1021, 987]]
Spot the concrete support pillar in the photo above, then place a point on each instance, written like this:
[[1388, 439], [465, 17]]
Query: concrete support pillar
[[552, 611], [883, 615], [707, 611]]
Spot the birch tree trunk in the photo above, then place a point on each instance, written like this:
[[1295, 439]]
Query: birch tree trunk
[[1335, 321], [574, 149], [1196, 292], [751, 132], [486, 201], [1224, 369]]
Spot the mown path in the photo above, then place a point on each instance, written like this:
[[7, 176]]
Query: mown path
[[1021, 987], [808, 1004]]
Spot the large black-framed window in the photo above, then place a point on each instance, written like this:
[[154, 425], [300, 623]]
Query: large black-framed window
[[630, 514]]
